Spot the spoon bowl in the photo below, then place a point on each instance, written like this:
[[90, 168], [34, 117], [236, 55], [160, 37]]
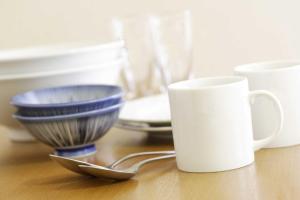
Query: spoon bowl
[[70, 164], [104, 172]]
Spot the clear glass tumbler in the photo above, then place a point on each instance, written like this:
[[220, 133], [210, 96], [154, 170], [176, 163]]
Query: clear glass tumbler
[[172, 45], [158, 48], [138, 50]]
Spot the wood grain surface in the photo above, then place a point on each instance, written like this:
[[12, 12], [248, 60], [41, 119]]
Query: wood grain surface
[[27, 173]]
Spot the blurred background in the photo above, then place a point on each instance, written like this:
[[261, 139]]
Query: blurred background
[[226, 33]]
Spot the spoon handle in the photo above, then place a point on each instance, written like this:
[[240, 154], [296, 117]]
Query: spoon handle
[[136, 166], [133, 155]]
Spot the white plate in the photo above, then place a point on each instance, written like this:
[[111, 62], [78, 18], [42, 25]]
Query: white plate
[[144, 128], [152, 109]]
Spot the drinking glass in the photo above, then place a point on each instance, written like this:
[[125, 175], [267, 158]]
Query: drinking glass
[[138, 49], [172, 45], [158, 50]]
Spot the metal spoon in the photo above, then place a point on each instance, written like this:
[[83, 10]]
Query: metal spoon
[[73, 164], [116, 174]]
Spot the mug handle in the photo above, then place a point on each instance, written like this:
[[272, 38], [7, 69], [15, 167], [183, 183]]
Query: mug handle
[[258, 144]]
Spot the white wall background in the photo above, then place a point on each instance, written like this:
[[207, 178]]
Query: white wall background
[[226, 33]]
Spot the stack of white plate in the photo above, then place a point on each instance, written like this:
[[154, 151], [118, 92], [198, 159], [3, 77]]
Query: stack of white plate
[[148, 114], [27, 69]]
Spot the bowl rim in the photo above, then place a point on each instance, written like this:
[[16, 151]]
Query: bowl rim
[[117, 94], [97, 112], [55, 50]]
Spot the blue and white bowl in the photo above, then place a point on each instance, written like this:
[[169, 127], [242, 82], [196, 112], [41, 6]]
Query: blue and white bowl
[[66, 100], [72, 135]]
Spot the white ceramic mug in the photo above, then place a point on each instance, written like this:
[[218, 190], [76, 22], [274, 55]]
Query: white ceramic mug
[[211, 121], [282, 78]]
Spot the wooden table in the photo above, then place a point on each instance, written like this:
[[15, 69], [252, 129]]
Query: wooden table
[[26, 172]]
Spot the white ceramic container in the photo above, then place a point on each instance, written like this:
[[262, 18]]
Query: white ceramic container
[[282, 78], [211, 121], [11, 85], [51, 58]]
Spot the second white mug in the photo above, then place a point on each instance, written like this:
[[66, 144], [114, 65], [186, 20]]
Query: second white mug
[[212, 126], [282, 78]]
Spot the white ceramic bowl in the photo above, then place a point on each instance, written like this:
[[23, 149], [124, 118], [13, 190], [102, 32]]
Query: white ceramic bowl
[[47, 59], [11, 85]]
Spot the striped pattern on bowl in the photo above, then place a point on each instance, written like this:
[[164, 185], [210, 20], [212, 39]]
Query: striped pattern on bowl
[[72, 130]]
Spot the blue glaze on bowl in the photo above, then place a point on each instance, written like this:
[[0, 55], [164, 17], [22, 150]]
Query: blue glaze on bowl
[[76, 151], [92, 113], [55, 111], [73, 130], [66, 100]]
